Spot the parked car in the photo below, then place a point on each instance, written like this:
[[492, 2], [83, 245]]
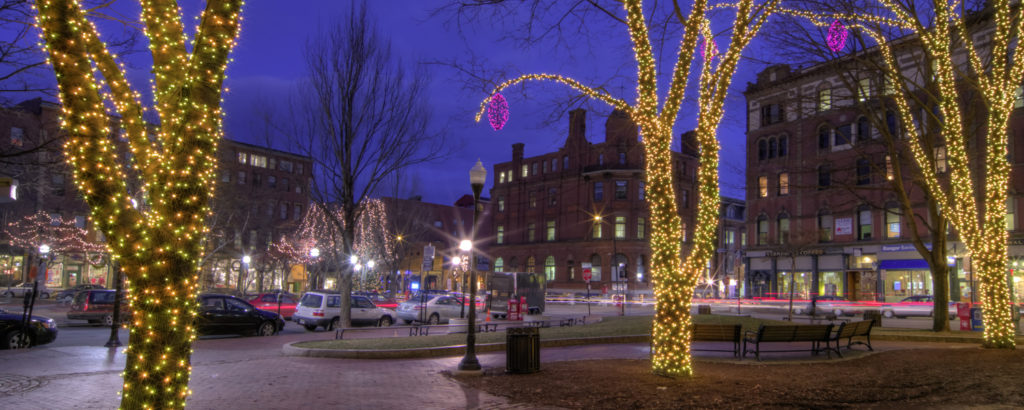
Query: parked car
[[823, 304], [322, 309], [97, 306], [226, 314], [383, 301], [283, 303], [917, 305], [68, 295], [20, 289], [432, 309], [42, 330]]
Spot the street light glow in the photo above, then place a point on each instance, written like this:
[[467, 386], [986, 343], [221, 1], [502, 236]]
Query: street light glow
[[466, 245], [44, 249], [246, 259], [313, 253], [456, 261], [353, 259], [370, 264]]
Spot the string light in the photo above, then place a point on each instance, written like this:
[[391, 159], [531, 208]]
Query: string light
[[173, 165], [672, 278]]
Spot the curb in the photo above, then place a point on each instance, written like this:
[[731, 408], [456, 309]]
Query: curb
[[445, 351]]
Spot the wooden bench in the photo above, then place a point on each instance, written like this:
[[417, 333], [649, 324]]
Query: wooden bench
[[815, 334], [717, 333], [851, 330]]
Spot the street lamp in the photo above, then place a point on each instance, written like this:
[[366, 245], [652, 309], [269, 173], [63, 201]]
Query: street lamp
[[245, 273], [477, 178], [313, 254]]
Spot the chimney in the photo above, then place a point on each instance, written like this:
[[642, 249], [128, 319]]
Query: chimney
[[517, 152], [620, 128], [578, 124]]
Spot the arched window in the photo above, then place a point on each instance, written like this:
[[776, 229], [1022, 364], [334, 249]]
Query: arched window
[[641, 269], [762, 230], [513, 265], [783, 228], [499, 265], [892, 124], [620, 268], [595, 268], [783, 146], [773, 148], [825, 226], [549, 268], [531, 265], [762, 150], [824, 137], [863, 129], [892, 220], [864, 223]]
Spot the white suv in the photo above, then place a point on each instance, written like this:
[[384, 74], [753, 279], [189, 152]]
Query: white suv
[[321, 309]]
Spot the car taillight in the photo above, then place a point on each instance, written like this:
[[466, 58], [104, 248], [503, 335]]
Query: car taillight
[[417, 307], [86, 305], [319, 313]]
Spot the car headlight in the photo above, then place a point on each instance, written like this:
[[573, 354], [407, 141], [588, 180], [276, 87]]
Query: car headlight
[[49, 324]]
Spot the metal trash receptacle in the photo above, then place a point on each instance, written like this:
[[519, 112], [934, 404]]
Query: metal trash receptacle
[[522, 350], [703, 309], [875, 315]]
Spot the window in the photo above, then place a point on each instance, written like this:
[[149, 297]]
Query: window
[[57, 183], [565, 162], [730, 237], [257, 179], [17, 136], [595, 268], [762, 186], [225, 176], [743, 238], [545, 167], [762, 150], [298, 168], [843, 135], [889, 88], [891, 124], [526, 171], [258, 161], [892, 221], [824, 177], [535, 169], [863, 129], [598, 191], [620, 190], [271, 181], [863, 89], [773, 148], [531, 265], [863, 171], [940, 159], [783, 228], [622, 158], [533, 199], [684, 231], [783, 183], [620, 227], [641, 194], [552, 196], [241, 177], [597, 228], [501, 204], [1018, 97], [771, 114], [549, 268], [762, 230], [685, 198], [825, 227], [531, 230], [499, 265], [270, 210], [80, 221], [888, 168], [243, 158], [824, 99], [297, 212], [1011, 214], [500, 236], [284, 211], [641, 227], [864, 224], [272, 163], [824, 137], [783, 146], [285, 165], [600, 159], [501, 177], [551, 231]]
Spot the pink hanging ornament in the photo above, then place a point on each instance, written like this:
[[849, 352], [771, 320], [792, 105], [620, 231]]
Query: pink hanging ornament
[[836, 36], [497, 111]]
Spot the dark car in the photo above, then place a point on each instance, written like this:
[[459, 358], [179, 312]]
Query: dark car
[[68, 295], [43, 330], [226, 314], [97, 306]]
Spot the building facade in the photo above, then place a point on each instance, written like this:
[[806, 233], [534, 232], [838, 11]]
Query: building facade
[[822, 217], [726, 275], [583, 206]]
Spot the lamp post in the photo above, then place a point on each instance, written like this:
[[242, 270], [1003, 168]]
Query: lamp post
[[313, 254], [30, 297], [477, 178], [245, 273], [114, 341], [616, 269], [369, 269], [456, 264]]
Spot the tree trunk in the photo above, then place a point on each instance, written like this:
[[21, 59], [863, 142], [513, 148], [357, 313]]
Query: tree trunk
[[997, 307]]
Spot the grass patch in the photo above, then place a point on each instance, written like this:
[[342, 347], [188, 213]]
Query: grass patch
[[609, 326]]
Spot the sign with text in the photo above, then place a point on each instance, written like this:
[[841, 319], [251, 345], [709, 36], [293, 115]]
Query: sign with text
[[428, 257], [844, 226], [586, 271]]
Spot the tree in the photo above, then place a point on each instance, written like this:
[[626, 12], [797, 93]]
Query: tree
[[674, 282], [63, 236], [158, 246], [361, 118]]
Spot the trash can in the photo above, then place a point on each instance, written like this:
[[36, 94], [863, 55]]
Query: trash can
[[522, 350], [703, 309], [872, 314]]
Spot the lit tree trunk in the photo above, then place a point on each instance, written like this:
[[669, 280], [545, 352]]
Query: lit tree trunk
[[159, 246]]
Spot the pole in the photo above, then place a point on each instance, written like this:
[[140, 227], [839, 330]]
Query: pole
[[615, 263], [469, 361], [114, 341]]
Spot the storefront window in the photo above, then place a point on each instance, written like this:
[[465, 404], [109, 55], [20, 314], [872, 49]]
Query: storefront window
[[801, 285], [831, 284], [902, 283], [10, 269]]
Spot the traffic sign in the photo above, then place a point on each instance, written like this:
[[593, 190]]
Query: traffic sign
[[586, 272]]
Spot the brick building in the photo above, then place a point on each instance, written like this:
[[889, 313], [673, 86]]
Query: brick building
[[820, 204], [582, 204], [727, 269]]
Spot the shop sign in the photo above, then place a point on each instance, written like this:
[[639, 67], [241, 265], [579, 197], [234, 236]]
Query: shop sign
[[844, 226], [903, 247]]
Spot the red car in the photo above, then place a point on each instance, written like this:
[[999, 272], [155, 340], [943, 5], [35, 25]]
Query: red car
[[269, 302], [383, 301]]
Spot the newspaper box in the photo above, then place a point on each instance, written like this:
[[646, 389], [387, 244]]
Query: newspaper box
[[963, 311]]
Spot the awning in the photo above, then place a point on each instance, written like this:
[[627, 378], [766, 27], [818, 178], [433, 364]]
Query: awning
[[903, 264]]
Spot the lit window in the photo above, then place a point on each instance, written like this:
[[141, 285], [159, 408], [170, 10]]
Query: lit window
[[549, 268], [526, 171], [864, 225], [620, 227], [531, 229], [1011, 214], [784, 183], [863, 89], [501, 204], [892, 222], [825, 99], [243, 158], [940, 159], [762, 230], [783, 228], [888, 168], [500, 238], [501, 177], [762, 186], [1018, 97], [551, 231], [597, 229], [641, 227], [825, 227], [730, 237]]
